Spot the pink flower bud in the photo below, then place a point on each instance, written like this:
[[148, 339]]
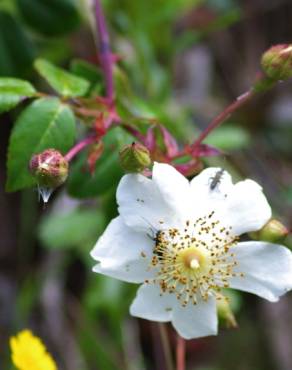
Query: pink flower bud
[[50, 168]]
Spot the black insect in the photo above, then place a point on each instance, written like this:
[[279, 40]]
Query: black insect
[[156, 235], [215, 180], [159, 243]]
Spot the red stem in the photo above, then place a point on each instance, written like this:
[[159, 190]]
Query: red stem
[[134, 132], [79, 146], [180, 353], [104, 51], [242, 99]]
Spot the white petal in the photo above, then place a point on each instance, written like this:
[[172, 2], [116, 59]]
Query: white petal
[[173, 186], [246, 208], [211, 185], [132, 272], [151, 305], [142, 205], [267, 269], [194, 321], [242, 206], [123, 252]]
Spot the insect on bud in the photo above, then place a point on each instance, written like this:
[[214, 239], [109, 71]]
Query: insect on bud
[[273, 231], [49, 168], [277, 62], [135, 157]]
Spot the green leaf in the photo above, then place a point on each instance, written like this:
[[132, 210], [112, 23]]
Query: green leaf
[[46, 123], [80, 227], [82, 184], [229, 138], [16, 49], [62, 81], [12, 91], [86, 70], [50, 17]]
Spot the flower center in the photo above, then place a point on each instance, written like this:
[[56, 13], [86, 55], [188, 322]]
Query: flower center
[[192, 258], [195, 260]]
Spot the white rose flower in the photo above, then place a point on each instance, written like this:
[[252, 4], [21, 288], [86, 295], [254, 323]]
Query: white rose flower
[[180, 239]]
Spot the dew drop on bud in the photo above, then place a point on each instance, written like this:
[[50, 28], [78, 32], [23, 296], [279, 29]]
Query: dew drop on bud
[[50, 170]]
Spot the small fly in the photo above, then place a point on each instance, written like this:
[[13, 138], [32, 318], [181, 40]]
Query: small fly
[[215, 180], [158, 238], [156, 235]]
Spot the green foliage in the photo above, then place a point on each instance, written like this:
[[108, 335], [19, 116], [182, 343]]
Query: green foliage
[[12, 91], [86, 70], [79, 227], [111, 292], [141, 113], [43, 124], [27, 297], [16, 50], [229, 138], [63, 82], [50, 17], [82, 184]]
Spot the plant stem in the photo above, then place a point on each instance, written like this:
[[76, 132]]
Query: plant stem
[[165, 346], [104, 51], [79, 146], [217, 121], [180, 353], [134, 132]]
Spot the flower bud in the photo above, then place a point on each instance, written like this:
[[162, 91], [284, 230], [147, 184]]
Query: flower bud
[[50, 168], [135, 157], [273, 231], [225, 312], [277, 62]]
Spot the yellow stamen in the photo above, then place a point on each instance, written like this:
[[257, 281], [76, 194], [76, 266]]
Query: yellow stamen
[[194, 261]]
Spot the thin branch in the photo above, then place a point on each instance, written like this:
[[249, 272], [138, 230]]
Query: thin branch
[[104, 51], [165, 346], [79, 146], [180, 353], [134, 132], [223, 116]]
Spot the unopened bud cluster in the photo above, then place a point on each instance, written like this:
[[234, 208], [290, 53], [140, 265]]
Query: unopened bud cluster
[[277, 62], [50, 168], [135, 157]]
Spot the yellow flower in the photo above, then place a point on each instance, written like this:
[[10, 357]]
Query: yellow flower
[[29, 353]]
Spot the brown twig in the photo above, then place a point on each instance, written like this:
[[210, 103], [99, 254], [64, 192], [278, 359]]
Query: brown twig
[[165, 346], [180, 353]]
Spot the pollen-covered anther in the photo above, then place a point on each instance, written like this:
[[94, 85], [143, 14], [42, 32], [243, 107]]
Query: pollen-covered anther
[[195, 267]]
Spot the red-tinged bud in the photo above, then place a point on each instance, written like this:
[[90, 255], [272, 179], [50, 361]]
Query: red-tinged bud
[[277, 62], [273, 231], [135, 158], [49, 168]]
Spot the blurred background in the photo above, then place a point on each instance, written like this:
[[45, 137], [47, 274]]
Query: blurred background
[[182, 62]]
